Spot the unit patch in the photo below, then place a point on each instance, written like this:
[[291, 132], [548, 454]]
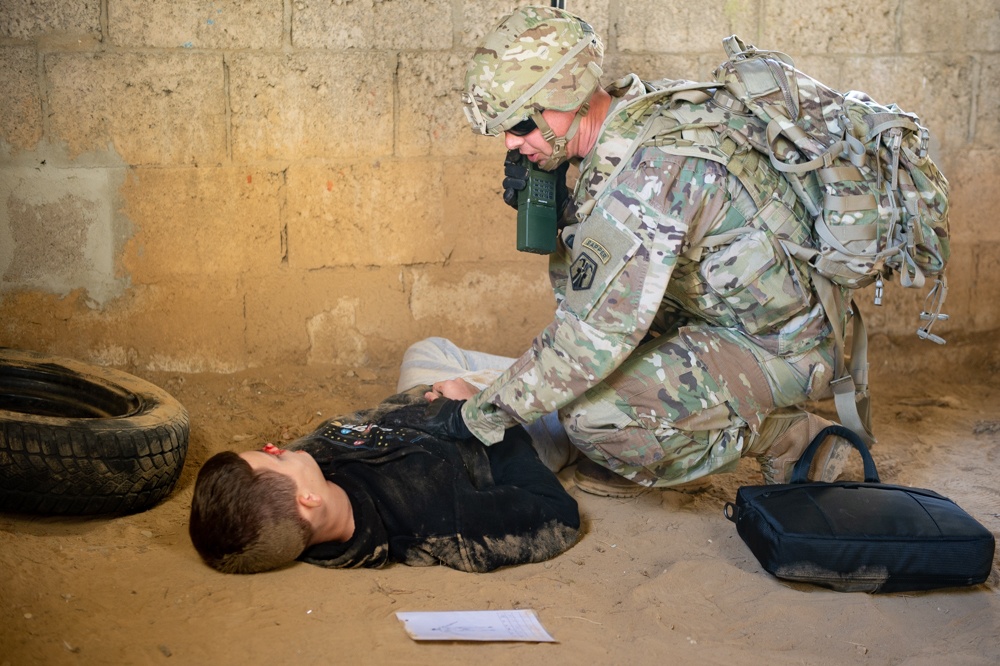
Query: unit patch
[[582, 272], [597, 249]]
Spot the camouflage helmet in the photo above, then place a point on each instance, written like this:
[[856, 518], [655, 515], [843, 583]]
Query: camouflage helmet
[[537, 58]]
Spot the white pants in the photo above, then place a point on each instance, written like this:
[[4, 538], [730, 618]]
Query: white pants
[[437, 359]]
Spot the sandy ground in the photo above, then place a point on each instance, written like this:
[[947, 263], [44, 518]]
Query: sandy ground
[[663, 578]]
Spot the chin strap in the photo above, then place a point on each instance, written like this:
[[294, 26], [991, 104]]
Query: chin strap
[[559, 143]]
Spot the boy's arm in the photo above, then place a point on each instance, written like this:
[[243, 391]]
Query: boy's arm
[[527, 516]]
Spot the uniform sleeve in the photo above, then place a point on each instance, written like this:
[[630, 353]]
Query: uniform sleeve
[[526, 516], [620, 259]]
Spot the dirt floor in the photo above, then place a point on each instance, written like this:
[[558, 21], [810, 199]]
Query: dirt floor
[[663, 578]]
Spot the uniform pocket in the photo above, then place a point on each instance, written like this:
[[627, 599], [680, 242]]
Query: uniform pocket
[[689, 289], [629, 447], [756, 280]]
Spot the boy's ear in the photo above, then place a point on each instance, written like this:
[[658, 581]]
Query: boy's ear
[[309, 500]]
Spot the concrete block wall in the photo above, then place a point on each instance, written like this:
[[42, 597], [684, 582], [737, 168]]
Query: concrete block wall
[[197, 185]]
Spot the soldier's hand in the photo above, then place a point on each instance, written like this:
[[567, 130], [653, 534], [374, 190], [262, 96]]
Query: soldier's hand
[[515, 177], [440, 418]]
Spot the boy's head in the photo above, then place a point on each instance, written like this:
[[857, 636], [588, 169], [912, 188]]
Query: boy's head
[[246, 520]]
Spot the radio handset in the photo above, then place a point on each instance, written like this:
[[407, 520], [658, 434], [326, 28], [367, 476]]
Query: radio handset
[[537, 218]]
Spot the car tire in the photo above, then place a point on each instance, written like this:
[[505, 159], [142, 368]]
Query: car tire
[[78, 439]]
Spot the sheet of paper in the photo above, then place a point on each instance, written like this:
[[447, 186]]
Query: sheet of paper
[[505, 625]]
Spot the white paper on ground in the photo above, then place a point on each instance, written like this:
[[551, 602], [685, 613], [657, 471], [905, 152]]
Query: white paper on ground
[[509, 625]]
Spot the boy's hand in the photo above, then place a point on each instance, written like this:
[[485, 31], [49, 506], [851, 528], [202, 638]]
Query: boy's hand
[[456, 389], [441, 418]]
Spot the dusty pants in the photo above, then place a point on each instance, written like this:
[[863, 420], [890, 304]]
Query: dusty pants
[[683, 406]]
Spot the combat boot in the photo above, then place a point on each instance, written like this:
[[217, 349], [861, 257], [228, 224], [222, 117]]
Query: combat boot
[[783, 438], [596, 480]]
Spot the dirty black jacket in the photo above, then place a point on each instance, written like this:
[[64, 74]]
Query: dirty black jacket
[[421, 500]]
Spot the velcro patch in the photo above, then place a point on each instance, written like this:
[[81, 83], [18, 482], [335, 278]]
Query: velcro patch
[[582, 272]]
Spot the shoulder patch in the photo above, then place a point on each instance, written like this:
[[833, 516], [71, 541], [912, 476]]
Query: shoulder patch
[[598, 249], [582, 272]]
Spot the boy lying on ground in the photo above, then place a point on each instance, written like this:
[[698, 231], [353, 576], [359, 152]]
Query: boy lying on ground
[[362, 492]]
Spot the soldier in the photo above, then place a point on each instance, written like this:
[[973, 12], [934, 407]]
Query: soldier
[[684, 337]]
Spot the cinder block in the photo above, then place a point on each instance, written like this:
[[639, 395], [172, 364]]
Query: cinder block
[[479, 224], [21, 113], [181, 326], [964, 287], [162, 108], [216, 223], [941, 26], [342, 316], [38, 321], [825, 27], [916, 84], [478, 18], [987, 129], [382, 24], [60, 231], [413, 24], [347, 25], [431, 119], [494, 307], [311, 105], [658, 66], [986, 294], [366, 214], [178, 326], [221, 24], [27, 20], [975, 197], [653, 26]]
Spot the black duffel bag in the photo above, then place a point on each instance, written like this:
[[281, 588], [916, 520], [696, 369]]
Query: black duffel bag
[[860, 537]]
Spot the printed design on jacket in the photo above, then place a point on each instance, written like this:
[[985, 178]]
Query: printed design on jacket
[[364, 437]]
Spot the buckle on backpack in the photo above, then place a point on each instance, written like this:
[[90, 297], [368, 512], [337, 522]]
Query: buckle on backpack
[[932, 314]]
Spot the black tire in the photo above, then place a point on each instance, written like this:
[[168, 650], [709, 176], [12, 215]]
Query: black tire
[[79, 439]]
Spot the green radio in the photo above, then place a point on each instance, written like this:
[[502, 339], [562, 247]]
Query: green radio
[[537, 219]]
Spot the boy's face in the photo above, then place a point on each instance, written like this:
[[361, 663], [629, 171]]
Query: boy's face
[[299, 466]]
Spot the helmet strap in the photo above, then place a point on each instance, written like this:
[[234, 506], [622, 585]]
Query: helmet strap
[[558, 143]]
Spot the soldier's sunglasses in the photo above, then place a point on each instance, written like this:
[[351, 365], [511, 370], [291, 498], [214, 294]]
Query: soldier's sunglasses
[[523, 128]]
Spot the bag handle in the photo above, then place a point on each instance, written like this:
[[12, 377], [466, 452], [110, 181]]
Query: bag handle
[[801, 469]]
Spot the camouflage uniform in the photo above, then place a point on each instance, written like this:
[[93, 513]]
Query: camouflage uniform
[[680, 322]]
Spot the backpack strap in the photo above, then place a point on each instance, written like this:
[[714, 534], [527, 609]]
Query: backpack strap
[[850, 384], [687, 91]]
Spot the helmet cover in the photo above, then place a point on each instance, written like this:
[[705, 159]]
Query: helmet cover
[[537, 58]]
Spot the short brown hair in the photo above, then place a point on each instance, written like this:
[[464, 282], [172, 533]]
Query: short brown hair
[[244, 521]]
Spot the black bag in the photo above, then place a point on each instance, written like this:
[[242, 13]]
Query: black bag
[[852, 536]]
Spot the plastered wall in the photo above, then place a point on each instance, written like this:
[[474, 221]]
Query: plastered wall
[[210, 185]]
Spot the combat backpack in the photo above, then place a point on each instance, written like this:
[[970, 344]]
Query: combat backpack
[[861, 169]]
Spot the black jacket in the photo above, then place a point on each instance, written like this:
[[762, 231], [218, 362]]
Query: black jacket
[[422, 500]]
